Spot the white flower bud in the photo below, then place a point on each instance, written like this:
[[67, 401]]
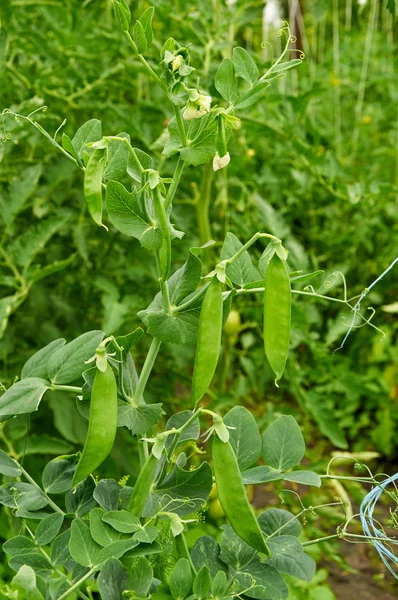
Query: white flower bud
[[177, 62], [220, 162], [197, 108]]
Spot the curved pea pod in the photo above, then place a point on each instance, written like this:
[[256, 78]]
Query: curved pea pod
[[143, 486], [277, 315], [232, 495], [209, 340], [93, 185], [102, 424]]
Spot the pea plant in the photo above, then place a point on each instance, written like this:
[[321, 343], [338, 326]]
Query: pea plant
[[81, 536]]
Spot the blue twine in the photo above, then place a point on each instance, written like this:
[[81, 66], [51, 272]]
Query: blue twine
[[357, 306], [369, 525]]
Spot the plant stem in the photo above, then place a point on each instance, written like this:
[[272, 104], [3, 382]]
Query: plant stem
[[175, 183], [165, 250], [78, 583], [246, 246], [180, 125], [146, 370], [320, 540], [33, 482], [66, 388]]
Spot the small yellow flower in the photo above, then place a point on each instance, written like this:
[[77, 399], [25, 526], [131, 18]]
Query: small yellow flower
[[366, 119]]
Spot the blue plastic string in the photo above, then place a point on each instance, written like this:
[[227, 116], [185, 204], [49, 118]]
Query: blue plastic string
[[370, 525], [357, 306]]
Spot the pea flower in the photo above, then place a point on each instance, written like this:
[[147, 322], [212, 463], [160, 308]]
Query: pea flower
[[198, 106], [219, 162]]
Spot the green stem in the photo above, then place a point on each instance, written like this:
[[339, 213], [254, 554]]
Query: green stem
[[165, 250], [146, 370], [203, 206], [66, 388], [78, 583], [320, 540], [145, 64], [171, 192], [246, 246], [180, 125], [33, 482]]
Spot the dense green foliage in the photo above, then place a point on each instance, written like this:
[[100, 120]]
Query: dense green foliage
[[312, 163]]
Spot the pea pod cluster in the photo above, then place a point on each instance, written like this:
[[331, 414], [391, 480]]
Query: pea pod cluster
[[102, 424], [209, 340], [232, 495], [277, 315]]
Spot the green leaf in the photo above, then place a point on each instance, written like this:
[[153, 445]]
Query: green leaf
[[304, 478], [60, 554], [128, 214], [36, 366], [67, 145], [91, 131], [35, 560], [262, 474], [118, 157], [179, 419], [84, 550], [146, 22], [325, 418], [225, 82], [106, 493], [244, 65], [23, 397], [68, 362], [202, 140], [35, 274], [283, 444], [139, 419], [101, 532], [24, 496], [123, 14], [9, 466], [220, 585], [245, 438], [130, 340], [241, 271], [44, 444], [58, 474], [80, 500], [266, 577], [139, 37], [25, 582], [181, 580], [184, 492], [133, 169], [206, 552], [112, 580], [147, 534], [21, 189], [48, 529], [202, 583], [276, 521], [122, 521], [306, 276], [140, 579], [234, 551], [284, 66], [117, 549], [288, 557], [7, 306], [19, 544], [251, 96]]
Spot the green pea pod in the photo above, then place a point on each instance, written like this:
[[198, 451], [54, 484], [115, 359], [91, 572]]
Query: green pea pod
[[93, 185], [277, 315], [143, 486], [102, 424], [209, 340], [232, 495]]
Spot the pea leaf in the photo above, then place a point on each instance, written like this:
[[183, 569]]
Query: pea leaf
[[9, 466], [244, 65], [60, 554], [91, 131], [140, 579], [181, 579], [283, 444], [139, 419], [68, 362], [48, 529], [118, 156], [277, 521], [140, 37], [252, 95], [23, 397], [84, 550], [225, 81], [36, 366], [122, 521], [182, 491], [23, 496], [241, 271], [288, 557], [146, 22], [128, 214], [245, 437], [58, 474], [101, 532], [106, 493], [19, 544], [80, 500], [206, 552], [112, 580]]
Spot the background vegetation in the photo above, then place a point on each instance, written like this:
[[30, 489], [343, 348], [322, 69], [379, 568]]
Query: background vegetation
[[315, 164]]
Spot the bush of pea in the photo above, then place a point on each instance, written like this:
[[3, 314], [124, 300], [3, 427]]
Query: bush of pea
[[87, 537]]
